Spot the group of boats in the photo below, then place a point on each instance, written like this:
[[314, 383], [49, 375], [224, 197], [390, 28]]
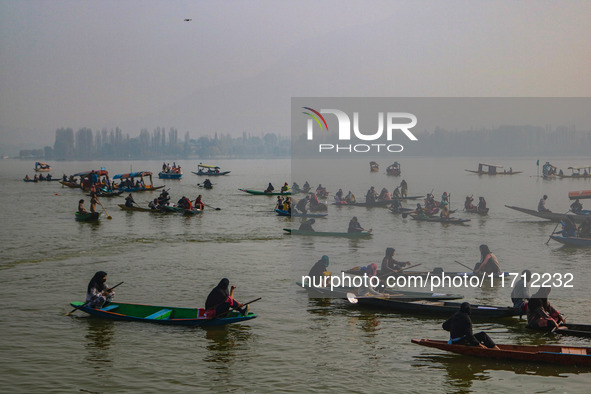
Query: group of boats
[[393, 169]]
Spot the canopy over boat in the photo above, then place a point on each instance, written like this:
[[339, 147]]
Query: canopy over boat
[[579, 194], [101, 172], [39, 166], [580, 168], [491, 169], [565, 355], [133, 175], [208, 166]]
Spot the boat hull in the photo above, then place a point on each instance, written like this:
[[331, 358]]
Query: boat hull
[[262, 193], [572, 241], [328, 234], [555, 217], [88, 217], [437, 308], [169, 175], [210, 174], [299, 214], [171, 316], [544, 353]]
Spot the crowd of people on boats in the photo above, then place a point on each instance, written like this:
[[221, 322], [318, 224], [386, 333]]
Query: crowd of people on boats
[[168, 169]]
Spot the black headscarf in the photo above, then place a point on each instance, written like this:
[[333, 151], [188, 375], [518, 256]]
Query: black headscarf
[[465, 308], [97, 282], [218, 295]]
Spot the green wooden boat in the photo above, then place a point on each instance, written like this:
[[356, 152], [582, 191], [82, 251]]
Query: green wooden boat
[[260, 193], [328, 233], [87, 217], [167, 315]]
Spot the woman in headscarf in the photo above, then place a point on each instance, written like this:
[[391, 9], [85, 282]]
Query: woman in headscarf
[[488, 262], [98, 293], [354, 226], [316, 273], [460, 330], [366, 288], [540, 314], [220, 300]]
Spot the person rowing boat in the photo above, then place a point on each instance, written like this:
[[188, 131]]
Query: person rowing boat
[[199, 204], [355, 227], [220, 300], [460, 330], [129, 201], [488, 262], [468, 203], [98, 294], [542, 315], [390, 265]]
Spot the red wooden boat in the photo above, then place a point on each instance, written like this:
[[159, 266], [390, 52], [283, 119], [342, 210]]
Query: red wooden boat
[[564, 355], [579, 194]]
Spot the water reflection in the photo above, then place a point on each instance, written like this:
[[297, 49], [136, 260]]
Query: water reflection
[[98, 342], [222, 346]]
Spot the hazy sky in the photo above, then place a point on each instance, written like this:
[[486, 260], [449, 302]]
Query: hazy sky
[[236, 65]]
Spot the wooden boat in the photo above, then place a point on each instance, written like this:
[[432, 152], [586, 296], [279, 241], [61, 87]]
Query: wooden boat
[[262, 193], [87, 217], [328, 234], [204, 169], [478, 211], [127, 181], [393, 169], [572, 241], [281, 212], [491, 169], [30, 180], [575, 330], [437, 307], [85, 182], [71, 185], [170, 209], [581, 195], [439, 219], [42, 167], [170, 175], [555, 217], [343, 293], [168, 315], [423, 274], [373, 166], [564, 355], [135, 208], [576, 173]]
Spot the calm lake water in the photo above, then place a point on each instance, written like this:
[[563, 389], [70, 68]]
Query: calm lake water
[[296, 344]]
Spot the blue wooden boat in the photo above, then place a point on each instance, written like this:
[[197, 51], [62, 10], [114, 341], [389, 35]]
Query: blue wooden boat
[[281, 212], [163, 314], [30, 180], [572, 241], [170, 175]]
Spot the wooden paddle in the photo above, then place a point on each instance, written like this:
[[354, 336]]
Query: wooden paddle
[[465, 266], [243, 305], [207, 205], [106, 213], [86, 303], [550, 237]]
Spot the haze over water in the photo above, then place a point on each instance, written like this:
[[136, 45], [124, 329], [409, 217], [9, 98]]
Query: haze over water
[[296, 344]]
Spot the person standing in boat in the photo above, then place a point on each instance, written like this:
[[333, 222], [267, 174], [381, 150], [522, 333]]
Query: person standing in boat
[[403, 188], [307, 225], [520, 293], [390, 264], [540, 314], [287, 205], [93, 199], [542, 204], [129, 201], [444, 206], [460, 330], [220, 300], [98, 294], [488, 262]]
